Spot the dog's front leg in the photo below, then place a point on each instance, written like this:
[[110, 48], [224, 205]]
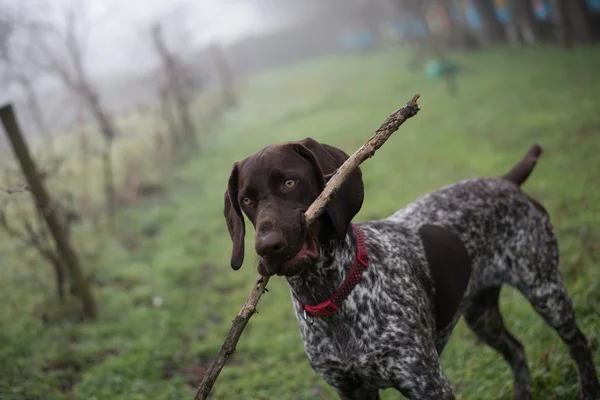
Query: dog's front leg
[[418, 374], [358, 394], [427, 387]]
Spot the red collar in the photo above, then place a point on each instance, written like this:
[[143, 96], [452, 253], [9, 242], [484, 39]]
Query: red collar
[[331, 305]]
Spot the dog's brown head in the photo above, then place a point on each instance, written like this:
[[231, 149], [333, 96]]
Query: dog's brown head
[[274, 187]]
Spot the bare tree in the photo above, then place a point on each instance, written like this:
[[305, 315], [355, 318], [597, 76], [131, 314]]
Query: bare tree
[[228, 96], [414, 10], [31, 231], [525, 28], [48, 210], [435, 40], [174, 95], [60, 51], [492, 29], [16, 68], [460, 35], [571, 22]]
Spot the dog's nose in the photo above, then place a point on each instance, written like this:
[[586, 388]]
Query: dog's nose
[[270, 244]]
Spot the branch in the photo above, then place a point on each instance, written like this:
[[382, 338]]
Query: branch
[[11, 190], [367, 150], [39, 241], [29, 238], [51, 167]]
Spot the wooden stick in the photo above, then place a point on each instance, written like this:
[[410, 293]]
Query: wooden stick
[[367, 150]]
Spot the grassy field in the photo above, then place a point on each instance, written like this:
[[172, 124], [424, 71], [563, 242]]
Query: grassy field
[[175, 246]]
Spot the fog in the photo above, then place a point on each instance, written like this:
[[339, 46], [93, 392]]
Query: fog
[[118, 35], [117, 30], [118, 54]]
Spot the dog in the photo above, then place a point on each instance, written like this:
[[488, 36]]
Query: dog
[[376, 301]]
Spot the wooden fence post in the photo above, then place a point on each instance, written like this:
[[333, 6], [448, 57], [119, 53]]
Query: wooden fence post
[[44, 203]]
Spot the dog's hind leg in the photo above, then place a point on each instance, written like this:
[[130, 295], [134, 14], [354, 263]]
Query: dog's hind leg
[[549, 298], [483, 317]]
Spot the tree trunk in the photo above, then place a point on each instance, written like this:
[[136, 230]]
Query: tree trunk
[[460, 34], [440, 29], [561, 20], [108, 131], [523, 21], [492, 28], [582, 31], [175, 90], [420, 45], [46, 208], [183, 109], [172, 128], [105, 123], [84, 163], [160, 144], [60, 277], [109, 181], [225, 76], [571, 22]]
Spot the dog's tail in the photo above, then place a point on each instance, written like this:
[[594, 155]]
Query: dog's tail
[[520, 172]]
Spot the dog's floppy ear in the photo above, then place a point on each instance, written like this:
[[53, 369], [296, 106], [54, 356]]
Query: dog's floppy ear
[[349, 198], [450, 268], [235, 219]]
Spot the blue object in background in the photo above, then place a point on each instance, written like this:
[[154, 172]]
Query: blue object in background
[[359, 41], [542, 10], [504, 15], [594, 5], [473, 18]]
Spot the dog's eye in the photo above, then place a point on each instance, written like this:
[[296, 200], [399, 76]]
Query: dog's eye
[[246, 201], [290, 183]]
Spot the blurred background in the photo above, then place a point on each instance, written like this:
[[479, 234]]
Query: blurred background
[[134, 111]]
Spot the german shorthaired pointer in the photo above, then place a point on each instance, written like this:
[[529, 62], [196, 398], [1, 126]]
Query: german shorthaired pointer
[[377, 301]]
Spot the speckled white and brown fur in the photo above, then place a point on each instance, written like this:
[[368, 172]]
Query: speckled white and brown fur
[[385, 336]]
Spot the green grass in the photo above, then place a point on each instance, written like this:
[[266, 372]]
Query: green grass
[[178, 247]]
